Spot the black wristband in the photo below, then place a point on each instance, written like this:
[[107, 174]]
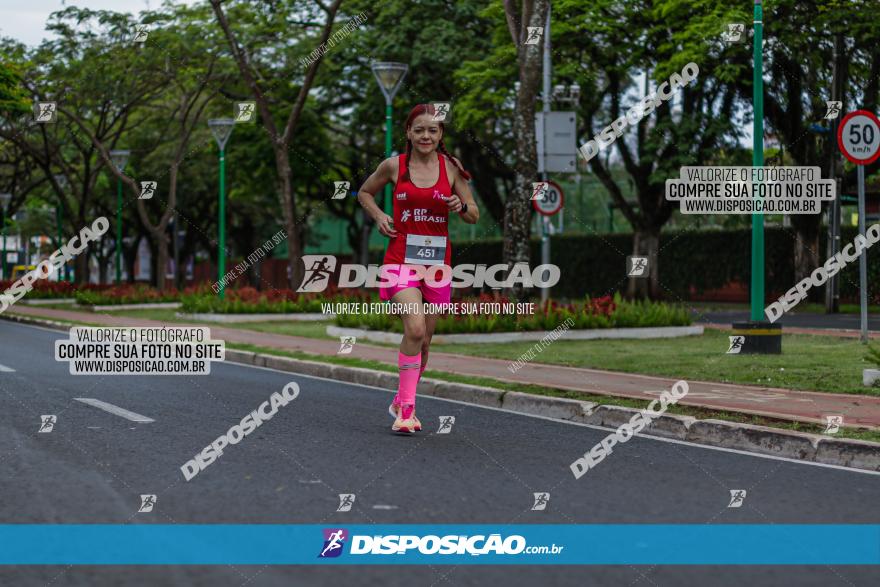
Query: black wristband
[[463, 209]]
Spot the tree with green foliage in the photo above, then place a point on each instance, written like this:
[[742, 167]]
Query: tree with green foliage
[[261, 45]]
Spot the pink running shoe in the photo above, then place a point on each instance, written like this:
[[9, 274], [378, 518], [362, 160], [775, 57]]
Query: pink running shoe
[[394, 410]]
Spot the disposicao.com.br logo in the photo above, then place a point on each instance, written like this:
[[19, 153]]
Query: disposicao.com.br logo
[[431, 544]]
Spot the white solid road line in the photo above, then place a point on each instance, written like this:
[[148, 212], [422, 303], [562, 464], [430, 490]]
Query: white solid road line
[[114, 410], [5, 369], [580, 424]]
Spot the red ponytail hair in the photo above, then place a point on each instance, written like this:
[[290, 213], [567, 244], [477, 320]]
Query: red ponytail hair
[[415, 113]]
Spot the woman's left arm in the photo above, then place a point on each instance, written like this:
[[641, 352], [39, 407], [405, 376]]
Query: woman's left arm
[[461, 197]]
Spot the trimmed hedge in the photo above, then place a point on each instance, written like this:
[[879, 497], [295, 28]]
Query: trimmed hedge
[[595, 264]]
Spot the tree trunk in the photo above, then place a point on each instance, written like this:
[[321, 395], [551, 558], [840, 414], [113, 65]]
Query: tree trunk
[[161, 267], [646, 243], [81, 268], [806, 249], [103, 262], [366, 230], [517, 209], [129, 257], [288, 208]]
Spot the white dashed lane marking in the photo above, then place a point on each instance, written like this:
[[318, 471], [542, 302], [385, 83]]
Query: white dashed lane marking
[[115, 410]]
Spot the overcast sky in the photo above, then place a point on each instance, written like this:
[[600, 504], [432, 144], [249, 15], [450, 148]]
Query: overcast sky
[[25, 20]]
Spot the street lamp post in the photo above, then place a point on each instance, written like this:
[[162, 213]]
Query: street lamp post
[[757, 313], [61, 180], [20, 218], [221, 128], [389, 75], [119, 158], [4, 201]]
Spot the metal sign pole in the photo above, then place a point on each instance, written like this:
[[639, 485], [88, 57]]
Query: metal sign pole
[[863, 258], [545, 225]]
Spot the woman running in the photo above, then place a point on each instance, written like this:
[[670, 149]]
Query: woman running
[[419, 233]]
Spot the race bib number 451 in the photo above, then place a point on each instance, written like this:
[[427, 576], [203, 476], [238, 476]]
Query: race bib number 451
[[425, 250]]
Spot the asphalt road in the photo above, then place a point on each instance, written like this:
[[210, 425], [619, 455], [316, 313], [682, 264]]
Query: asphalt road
[[335, 438]]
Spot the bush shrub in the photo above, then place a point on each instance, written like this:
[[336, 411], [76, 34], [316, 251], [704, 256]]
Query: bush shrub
[[125, 294], [46, 290], [247, 300], [604, 312]]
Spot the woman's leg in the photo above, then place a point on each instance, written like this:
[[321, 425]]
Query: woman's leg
[[430, 323], [409, 357]]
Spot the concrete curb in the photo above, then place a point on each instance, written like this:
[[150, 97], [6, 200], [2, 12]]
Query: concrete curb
[[492, 337], [113, 308], [46, 301], [817, 448], [746, 437], [234, 318]]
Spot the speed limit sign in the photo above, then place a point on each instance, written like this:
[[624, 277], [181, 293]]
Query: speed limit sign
[[859, 140], [859, 137], [550, 201]]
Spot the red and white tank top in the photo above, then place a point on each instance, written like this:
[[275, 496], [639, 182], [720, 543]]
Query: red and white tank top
[[421, 219]]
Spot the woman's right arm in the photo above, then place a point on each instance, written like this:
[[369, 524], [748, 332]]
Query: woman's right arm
[[367, 197]]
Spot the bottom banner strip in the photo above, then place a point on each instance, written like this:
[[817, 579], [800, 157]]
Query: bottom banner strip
[[268, 544]]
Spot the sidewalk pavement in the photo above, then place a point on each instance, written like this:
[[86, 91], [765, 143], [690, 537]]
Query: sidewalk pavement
[[785, 404]]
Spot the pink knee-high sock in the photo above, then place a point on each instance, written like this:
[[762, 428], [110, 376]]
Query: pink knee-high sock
[[409, 378], [424, 361]]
